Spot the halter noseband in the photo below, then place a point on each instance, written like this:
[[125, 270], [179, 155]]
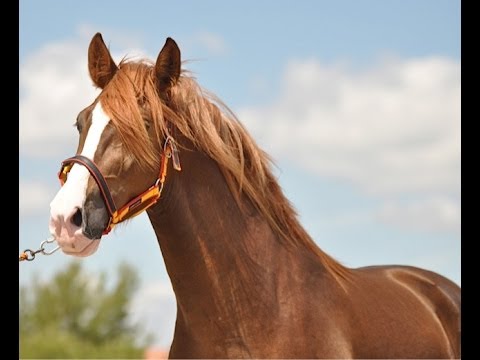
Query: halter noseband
[[139, 203]]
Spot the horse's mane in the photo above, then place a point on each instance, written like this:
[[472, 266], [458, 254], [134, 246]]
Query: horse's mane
[[213, 128]]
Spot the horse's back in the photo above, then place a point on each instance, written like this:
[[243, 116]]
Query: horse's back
[[425, 294]]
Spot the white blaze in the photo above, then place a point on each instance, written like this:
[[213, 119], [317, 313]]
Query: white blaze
[[72, 194]]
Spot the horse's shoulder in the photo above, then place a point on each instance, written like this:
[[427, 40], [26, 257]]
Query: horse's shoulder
[[430, 284]]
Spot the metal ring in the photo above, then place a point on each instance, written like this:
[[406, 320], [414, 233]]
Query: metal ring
[[48, 241]]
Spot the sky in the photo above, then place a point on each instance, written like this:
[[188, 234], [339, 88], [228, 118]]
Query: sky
[[357, 102]]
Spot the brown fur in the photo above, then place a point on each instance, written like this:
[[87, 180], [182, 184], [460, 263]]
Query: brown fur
[[248, 280]]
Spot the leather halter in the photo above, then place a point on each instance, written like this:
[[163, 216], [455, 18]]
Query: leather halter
[[140, 202]]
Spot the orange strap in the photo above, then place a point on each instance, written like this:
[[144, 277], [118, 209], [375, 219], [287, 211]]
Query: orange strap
[[149, 197]]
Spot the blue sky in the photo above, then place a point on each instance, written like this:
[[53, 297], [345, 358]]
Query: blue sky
[[358, 102]]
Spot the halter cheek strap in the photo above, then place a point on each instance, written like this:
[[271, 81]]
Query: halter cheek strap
[[96, 174], [139, 203]]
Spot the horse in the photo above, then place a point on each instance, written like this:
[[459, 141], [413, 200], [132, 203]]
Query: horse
[[248, 279]]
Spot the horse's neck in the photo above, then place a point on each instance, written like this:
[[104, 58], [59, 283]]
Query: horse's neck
[[218, 256]]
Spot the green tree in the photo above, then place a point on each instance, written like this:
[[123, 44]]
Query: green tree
[[76, 315]]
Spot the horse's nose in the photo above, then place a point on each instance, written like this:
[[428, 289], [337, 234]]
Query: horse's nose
[[76, 219], [63, 221]]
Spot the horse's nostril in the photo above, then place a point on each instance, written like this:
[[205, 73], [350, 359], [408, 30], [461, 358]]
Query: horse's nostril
[[77, 218]]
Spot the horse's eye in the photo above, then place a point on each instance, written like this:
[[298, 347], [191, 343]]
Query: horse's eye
[[141, 100]]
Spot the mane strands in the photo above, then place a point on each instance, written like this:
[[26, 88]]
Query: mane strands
[[213, 128]]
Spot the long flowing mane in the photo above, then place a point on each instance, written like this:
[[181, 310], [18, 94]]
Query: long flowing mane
[[212, 128]]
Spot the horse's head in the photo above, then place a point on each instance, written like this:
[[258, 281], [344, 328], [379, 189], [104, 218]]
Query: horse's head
[[121, 149]]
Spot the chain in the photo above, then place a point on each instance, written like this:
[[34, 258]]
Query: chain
[[29, 254]]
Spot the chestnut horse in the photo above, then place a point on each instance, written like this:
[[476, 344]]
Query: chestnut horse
[[248, 279]]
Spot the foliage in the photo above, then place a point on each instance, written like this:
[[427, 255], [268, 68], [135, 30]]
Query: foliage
[[76, 315]]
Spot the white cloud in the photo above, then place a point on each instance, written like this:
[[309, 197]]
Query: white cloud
[[54, 87], [213, 43], [33, 197], [390, 129], [154, 306], [431, 214]]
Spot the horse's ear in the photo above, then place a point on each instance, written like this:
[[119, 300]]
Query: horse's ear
[[167, 67], [100, 63]]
